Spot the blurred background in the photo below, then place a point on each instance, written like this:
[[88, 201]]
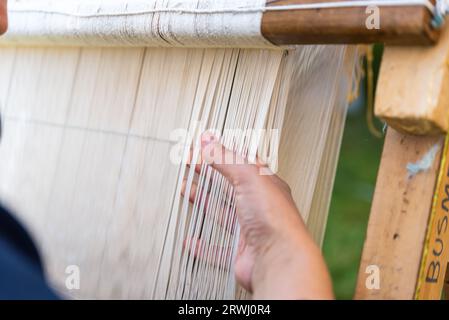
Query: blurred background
[[353, 190]]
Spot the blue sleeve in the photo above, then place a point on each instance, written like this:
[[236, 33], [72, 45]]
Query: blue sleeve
[[21, 272]]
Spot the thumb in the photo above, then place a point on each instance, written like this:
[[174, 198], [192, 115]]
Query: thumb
[[231, 165]]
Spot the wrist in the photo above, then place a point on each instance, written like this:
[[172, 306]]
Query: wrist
[[291, 268]]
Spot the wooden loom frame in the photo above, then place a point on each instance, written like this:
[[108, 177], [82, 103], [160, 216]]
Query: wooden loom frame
[[405, 237], [408, 232], [408, 228]]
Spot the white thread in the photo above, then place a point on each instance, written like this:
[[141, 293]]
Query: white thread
[[237, 10], [135, 23], [442, 7], [200, 23], [423, 164]]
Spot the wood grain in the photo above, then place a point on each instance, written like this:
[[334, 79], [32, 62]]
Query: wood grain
[[398, 25], [399, 217], [412, 93], [435, 257]]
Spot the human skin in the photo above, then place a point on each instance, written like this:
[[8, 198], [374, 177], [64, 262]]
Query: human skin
[[3, 17], [277, 257]]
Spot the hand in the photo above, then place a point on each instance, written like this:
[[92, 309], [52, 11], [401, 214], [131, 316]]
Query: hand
[[3, 17], [277, 258]]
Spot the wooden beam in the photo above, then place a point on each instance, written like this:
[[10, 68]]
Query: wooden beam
[[399, 216], [412, 92], [398, 25], [446, 285], [433, 271]]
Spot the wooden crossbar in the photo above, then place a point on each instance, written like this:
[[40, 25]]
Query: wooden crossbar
[[398, 25]]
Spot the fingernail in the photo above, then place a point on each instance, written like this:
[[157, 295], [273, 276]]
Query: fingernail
[[207, 138]]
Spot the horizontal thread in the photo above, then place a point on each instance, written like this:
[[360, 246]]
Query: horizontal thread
[[240, 10]]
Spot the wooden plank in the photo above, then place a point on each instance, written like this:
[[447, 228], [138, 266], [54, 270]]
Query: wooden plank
[[412, 93], [446, 284], [435, 257], [399, 217], [398, 25]]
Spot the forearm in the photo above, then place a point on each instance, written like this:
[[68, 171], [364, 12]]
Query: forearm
[[293, 268]]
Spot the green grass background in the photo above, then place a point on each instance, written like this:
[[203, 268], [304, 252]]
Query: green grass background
[[350, 205], [351, 200]]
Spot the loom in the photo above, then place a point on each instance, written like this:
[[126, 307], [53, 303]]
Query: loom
[[95, 96]]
